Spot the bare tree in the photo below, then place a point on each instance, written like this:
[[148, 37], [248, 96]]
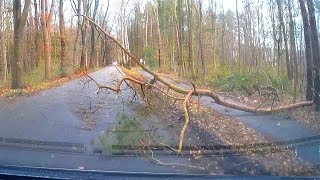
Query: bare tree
[[315, 52], [158, 12], [62, 39], [293, 50], [200, 37], [3, 52], [190, 35], [307, 39], [181, 63], [46, 17], [37, 31], [78, 10], [93, 55], [19, 20], [285, 39]]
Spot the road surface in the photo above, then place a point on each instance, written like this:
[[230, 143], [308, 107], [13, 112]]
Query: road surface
[[56, 128]]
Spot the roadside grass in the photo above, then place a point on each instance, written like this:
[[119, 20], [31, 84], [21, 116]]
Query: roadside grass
[[14, 93], [35, 81], [247, 81], [37, 76]]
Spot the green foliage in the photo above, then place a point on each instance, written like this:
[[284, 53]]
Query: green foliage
[[149, 55], [36, 76], [235, 80], [14, 93], [128, 132]]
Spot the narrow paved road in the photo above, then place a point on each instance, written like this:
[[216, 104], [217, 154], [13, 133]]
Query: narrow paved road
[[55, 128]]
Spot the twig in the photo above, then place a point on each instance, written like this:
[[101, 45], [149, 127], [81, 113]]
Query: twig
[[168, 146], [171, 164]]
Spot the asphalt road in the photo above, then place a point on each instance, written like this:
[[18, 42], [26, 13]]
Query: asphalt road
[[56, 129]]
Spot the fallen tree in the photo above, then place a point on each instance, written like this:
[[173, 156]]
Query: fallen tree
[[131, 77]]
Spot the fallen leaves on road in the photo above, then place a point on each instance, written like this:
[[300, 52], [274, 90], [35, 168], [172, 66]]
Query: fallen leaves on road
[[234, 133]]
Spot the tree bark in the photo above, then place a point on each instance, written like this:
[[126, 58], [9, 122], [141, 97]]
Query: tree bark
[[293, 50], [77, 9], [3, 58], [19, 20], [93, 55], [181, 63], [308, 56], [37, 31], [159, 32], [315, 53], [203, 67], [285, 39], [213, 34], [45, 17], [62, 40], [239, 35], [190, 34]]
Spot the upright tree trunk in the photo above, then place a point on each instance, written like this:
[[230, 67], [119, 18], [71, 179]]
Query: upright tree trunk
[[2, 45], [93, 55], [159, 32], [62, 40], [213, 34], [239, 34], [285, 39], [293, 50], [19, 20], [190, 34], [38, 34], [78, 11], [180, 35], [83, 58], [203, 67], [146, 30], [315, 53], [307, 39], [45, 17], [276, 40]]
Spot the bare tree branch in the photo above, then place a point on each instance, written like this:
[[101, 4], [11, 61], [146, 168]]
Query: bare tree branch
[[199, 92]]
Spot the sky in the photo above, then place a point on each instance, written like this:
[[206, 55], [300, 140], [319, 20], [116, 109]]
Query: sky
[[114, 7], [114, 4]]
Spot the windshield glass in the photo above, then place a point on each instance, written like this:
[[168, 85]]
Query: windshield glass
[[219, 87]]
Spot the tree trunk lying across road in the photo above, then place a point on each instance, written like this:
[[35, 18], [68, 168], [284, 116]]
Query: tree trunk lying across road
[[143, 84], [201, 92]]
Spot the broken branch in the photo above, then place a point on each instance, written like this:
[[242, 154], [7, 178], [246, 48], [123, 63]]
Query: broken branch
[[199, 92]]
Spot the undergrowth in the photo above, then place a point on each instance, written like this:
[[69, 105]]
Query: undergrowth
[[245, 81], [37, 76]]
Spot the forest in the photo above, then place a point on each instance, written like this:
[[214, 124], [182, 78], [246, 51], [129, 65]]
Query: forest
[[263, 43], [226, 86]]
